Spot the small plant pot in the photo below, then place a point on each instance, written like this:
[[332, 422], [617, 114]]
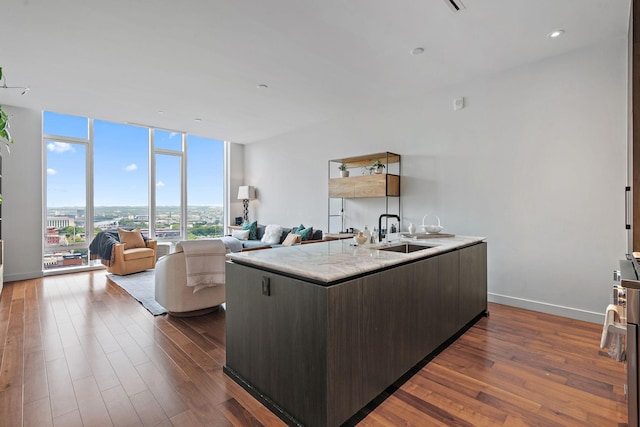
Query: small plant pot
[[379, 170], [344, 174]]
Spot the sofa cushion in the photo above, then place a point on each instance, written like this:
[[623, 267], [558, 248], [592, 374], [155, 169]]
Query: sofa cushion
[[306, 233], [241, 234], [137, 253], [253, 229], [272, 234], [131, 239], [285, 233], [292, 239], [253, 244], [260, 231]]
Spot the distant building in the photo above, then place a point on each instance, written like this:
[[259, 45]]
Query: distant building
[[107, 225], [72, 259], [50, 261], [53, 237], [167, 234], [60, 221]]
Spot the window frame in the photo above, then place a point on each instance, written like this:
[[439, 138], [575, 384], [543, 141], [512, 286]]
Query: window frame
[[88, 143]]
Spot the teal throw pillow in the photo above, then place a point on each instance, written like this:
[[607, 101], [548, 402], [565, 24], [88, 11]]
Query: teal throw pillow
[[306, 233], [253, 229]]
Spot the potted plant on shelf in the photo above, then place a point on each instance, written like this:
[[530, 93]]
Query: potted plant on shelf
[[343, 170], [377, 166]]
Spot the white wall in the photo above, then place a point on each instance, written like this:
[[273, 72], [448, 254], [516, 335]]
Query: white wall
[[235, 166], [22, 193], [536, 162]]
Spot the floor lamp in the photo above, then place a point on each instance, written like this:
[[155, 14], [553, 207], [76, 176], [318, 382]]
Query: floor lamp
[[246, 193]]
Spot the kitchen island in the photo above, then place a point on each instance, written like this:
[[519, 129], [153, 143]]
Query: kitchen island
[[315, 332]]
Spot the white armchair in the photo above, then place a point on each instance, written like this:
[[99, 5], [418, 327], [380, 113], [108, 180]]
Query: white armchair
[[171, 288]]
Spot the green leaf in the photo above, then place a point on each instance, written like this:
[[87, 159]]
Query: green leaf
[[4, 133], [4, 127], [0, 73]]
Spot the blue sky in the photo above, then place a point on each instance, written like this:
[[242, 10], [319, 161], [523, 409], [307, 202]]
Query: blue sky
[[121, 165]]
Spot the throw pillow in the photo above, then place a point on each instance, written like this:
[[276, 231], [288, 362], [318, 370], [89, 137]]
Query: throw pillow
[[131, 239], [272, 234], [292, 239], [240, 234], [306, 233], [253, 229]]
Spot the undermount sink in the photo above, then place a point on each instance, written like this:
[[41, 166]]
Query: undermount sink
[[406, 248]]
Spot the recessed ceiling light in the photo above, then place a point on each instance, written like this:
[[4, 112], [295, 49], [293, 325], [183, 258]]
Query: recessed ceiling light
[[262, 86], [555, 34], [417, 50], [160, 112], [197, 119]]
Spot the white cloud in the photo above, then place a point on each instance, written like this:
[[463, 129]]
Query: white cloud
[[51, 171], [131, 167], [159, 184], [59, 147], [173, 135]]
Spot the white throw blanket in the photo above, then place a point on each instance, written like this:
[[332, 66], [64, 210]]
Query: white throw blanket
[[204, 262], [232, 243], [613, 333]]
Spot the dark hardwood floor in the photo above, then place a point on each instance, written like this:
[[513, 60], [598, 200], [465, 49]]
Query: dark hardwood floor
[[77, 350]]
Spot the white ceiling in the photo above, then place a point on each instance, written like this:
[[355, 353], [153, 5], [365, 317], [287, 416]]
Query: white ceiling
[[126, 60]]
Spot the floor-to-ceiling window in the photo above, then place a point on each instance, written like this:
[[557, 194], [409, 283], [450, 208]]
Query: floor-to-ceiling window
[[205, 184], [169, 193], [102, 175], [121, 176], [67, 144]]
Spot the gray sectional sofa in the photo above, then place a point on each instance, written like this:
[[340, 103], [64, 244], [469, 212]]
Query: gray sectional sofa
[[258, 244]]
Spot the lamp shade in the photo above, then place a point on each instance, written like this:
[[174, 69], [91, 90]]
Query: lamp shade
[[246, 192]]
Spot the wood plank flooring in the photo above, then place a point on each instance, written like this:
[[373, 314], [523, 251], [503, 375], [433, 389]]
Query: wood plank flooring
[[76, 350]]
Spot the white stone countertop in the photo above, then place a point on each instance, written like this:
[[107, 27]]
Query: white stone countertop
[[340, 259]]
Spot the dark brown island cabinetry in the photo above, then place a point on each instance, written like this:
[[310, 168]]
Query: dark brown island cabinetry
[[316, 354]]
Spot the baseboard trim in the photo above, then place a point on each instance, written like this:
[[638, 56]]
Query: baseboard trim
[[67, 270], [544, 307], [22, 276]]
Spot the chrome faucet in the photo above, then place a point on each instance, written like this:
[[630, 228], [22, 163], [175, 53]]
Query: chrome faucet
[[380, 224]]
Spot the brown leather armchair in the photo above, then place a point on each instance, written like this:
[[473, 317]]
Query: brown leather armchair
[[134, 260]]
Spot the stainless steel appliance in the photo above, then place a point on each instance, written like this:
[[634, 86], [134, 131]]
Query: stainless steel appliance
[[629, 271]]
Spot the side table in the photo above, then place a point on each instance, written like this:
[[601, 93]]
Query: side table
[[162, 249]]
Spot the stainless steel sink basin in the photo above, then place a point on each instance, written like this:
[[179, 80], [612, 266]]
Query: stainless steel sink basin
[[406, 248]]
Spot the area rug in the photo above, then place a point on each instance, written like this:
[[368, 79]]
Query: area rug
[[141, 286]]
